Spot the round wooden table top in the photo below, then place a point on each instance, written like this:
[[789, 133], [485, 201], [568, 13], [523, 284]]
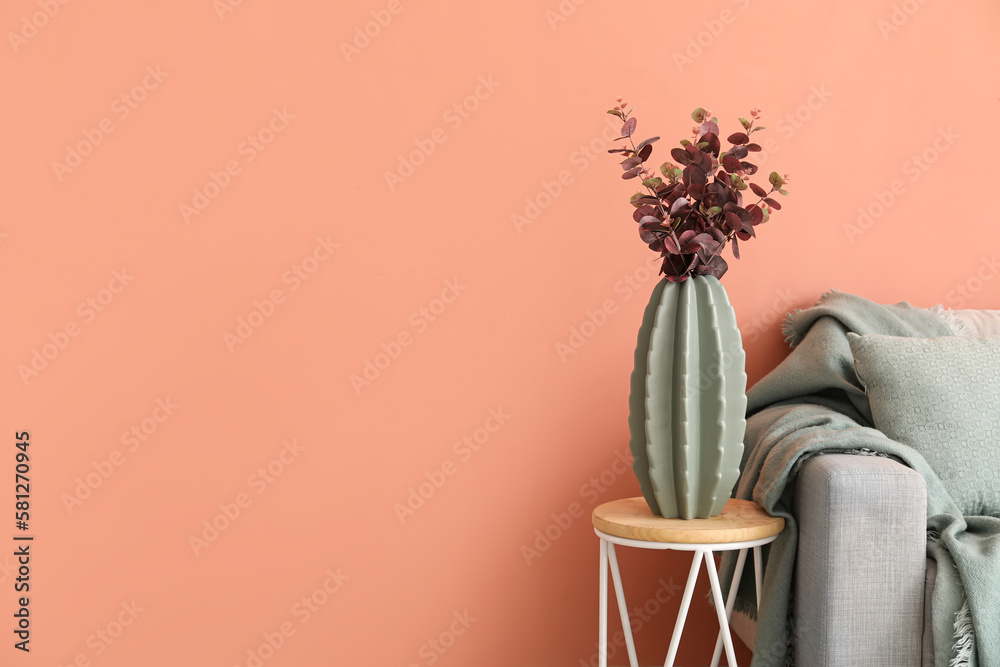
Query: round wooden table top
[[740, 521]]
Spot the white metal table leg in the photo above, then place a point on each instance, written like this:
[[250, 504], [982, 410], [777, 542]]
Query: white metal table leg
[[675, 640], [713, 578], [758, 573], [622, 608], [602, 627], [730, 601]]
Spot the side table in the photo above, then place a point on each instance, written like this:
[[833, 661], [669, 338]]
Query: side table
[[628, 522]]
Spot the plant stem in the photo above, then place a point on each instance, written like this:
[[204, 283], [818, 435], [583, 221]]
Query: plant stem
[[664, 212]]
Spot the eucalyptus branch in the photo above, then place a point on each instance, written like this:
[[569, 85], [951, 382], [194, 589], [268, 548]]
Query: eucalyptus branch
[[710, 205]]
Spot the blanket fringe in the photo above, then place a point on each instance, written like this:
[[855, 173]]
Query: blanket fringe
[[958, 326], [787, 328], [965, 638]]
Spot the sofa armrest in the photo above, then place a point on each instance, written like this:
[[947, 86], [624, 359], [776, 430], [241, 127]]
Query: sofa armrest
[[861, 560]]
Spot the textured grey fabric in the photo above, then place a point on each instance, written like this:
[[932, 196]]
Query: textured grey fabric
[[940, 396], [974, 322], [928, 617], [861, 562]]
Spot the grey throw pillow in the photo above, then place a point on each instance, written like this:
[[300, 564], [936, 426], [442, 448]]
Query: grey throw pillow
[[940, 396]]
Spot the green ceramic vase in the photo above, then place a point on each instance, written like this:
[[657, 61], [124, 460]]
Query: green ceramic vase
[[687, 406]]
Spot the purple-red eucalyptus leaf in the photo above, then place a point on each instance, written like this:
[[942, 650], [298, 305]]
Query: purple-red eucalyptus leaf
[[704, 245], [748, 229], [623, 151], [707, 127], [652, 231], [756, 215], [733, 222], [645, 211], [753, 148], [680, 156], [693, 175], [645, 200], [743, 236], [646, 142], [738, 152], [705, 240], [696, 190], [718, 235], [749, 167], [736, 248], [679, 205], [730, 164], [629, 127], [773, 204], [632, 173], [631, 163], [757, 190], [737, 138], [670, 245], [717, 267], [712, 144], [645, 152]]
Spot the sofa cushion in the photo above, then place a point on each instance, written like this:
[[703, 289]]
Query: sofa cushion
[[940, 396]]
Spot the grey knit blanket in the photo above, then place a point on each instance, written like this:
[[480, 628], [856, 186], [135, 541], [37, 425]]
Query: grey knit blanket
[[813, 403]]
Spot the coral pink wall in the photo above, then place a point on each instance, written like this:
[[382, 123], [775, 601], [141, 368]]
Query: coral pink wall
[[201, 248]]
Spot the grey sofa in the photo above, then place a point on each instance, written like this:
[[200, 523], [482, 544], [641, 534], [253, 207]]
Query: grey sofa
[[863, 583], [861, 573]]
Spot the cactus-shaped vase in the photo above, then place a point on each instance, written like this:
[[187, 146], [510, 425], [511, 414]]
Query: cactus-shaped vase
[[687, 406]]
